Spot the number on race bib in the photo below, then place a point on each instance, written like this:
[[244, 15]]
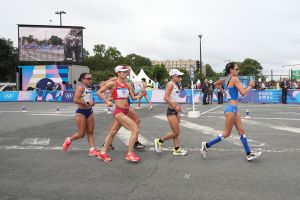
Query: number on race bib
[[122, 93]]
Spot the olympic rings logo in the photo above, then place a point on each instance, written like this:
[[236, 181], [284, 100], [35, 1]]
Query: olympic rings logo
[[69, 95], [8, 96]]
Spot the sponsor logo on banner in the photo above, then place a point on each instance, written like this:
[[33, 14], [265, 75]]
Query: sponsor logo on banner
[[8, 96], [68, 95]]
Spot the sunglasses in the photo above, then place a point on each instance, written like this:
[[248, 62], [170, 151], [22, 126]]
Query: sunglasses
[[237, 69], [89, 79], [179, 76]]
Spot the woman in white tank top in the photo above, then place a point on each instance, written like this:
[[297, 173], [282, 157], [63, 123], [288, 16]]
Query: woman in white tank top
[[171, 98]]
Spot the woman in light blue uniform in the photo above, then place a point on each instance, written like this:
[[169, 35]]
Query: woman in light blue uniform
[[232, 89]]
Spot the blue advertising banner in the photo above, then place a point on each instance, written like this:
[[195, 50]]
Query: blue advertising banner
[[9, 96], [155, 96]]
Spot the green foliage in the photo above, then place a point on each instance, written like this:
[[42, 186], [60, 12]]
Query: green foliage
[[250, 67], [8, 60]]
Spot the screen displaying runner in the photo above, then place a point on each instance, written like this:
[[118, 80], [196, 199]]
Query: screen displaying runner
[[50, 43]]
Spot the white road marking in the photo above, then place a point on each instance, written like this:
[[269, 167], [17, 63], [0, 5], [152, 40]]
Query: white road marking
[[36, 141], [203, 113], [59, 148], [273, 126], [125, 134], [214, 132]]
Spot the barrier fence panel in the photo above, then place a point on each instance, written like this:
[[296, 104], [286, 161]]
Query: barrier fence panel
[[155, 96]]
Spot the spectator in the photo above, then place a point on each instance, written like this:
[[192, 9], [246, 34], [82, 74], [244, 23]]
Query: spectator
[[284, 87], [205, 91], [220, 95], [150, 85], [210, 91]]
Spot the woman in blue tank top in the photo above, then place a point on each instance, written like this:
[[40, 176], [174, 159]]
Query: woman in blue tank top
[[232, 88]]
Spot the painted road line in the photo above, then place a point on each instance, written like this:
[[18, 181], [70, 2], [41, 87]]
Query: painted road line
[[214, 132], [36, 141], [124, 135], [267, 118], [53, 114], [203, 113], [273, 126], [151, 149]]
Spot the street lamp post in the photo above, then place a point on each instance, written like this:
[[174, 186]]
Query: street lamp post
[[200, 64], [60, 13]]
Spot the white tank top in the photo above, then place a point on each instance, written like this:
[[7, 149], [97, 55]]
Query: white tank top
[[175, 93], [87, 95]]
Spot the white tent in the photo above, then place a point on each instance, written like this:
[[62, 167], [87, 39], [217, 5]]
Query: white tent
[[141, 75], [132, 74]]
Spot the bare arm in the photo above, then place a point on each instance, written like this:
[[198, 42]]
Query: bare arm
[[239, 86], [77, 97], [100, 92], [131, 92], [218, 84]]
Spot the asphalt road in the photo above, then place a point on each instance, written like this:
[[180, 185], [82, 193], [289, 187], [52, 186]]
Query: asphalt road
[[33, 166]]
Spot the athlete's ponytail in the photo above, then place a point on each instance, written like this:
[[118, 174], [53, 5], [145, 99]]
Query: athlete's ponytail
[[228, 67]]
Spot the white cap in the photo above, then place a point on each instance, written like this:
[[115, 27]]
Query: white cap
[[175, 72], [121, 68], [210, 81]]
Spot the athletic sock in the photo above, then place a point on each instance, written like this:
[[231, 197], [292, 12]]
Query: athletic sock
[[244, 141], [176, 148], [214, 141], [161, 141]]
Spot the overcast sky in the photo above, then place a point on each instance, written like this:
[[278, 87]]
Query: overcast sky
[[266, 30]]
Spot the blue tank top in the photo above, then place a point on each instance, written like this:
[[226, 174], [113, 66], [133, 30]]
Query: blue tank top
[[231, 92]]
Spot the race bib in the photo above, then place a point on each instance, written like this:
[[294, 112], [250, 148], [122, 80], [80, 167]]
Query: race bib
[[122, 93], [228, 96], [87, 97]]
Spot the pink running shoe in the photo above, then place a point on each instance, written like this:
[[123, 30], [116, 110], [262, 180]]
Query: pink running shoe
[[93, 152], [132, 157], [67, 144], [104, 156]]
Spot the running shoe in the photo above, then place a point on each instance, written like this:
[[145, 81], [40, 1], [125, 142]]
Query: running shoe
[[104, 156], [150, 108], [67, 144], [158, 145], [138, 146], [179, 152], [132, 157], [93, 152], [204, 150], [253, 155]]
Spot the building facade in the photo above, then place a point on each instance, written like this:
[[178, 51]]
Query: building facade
[[179, 64]]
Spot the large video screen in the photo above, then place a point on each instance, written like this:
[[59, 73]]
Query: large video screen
[[47, 43]]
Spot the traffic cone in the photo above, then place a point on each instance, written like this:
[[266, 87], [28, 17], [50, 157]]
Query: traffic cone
[[57, 110], [24, 109], [247, 114]]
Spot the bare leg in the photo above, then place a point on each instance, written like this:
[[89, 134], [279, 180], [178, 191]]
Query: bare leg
[[81, 127]]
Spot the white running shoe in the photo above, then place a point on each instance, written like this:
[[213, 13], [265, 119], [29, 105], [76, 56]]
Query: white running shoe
[[204, 149], [158, 145], [253, 155]]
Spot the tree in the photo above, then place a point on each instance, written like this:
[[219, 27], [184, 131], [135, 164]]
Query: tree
[[250, 67], [54, 40], [8, 60], [160, 73]]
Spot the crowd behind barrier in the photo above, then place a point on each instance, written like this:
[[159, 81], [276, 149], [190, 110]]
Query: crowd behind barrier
[[156, 96]]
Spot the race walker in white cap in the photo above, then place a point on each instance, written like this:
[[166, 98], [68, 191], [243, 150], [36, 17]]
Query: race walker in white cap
[[171, 96]]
